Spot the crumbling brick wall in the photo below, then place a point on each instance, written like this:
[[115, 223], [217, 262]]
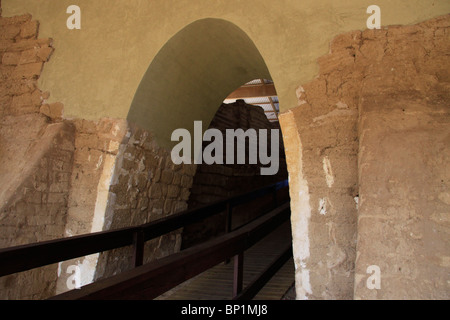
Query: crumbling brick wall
[[34, 204], [22, 58], [146, 186], [404, 152], [36, 155], [368, 198]]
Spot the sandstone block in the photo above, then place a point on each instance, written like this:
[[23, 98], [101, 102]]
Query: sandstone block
[[186, 181], [168, 206], [11, 58], [9, 32], [29, 29], [28, 71], [173, 191], [155, 191], [37, 97], [15, 20], [185, 193], [54, 110], [177, 178], [6, 72], [29, 56], [179, 206], [167, 176]]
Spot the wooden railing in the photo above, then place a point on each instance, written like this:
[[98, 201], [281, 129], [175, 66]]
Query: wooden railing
[[147, 278]]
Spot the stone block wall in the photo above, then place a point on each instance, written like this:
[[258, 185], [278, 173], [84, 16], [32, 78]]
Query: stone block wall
[[34, 200], [146, 186], [96, 148], [120, 178]]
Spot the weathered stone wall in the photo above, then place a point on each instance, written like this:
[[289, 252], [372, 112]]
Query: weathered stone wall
[[377, 92], [36, 155], [35, 191], [121, 178], [404, 173], [36, 208], [146, 186], [22, 59], [96, 148], [321, 151]]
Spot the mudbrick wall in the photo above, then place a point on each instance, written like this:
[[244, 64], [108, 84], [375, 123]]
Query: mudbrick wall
[[372, 132], [64, 177], [404, 153], [121, 178], [220, 181], [36, 161], [146, 186]]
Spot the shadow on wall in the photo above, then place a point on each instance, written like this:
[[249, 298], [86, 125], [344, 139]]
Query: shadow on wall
[[194, 72]]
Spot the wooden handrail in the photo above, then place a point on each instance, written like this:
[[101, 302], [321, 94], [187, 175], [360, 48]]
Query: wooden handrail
[[26, 257], [152, 279]]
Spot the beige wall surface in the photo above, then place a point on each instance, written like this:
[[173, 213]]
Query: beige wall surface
[[96, 71]]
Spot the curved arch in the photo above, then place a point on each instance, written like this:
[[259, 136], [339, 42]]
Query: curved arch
[[192, 74]]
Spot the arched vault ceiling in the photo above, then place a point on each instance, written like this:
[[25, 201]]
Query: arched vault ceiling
[[192, 74]]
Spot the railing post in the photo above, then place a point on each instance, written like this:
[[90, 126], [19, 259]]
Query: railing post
[[238, 276], [138, 248]]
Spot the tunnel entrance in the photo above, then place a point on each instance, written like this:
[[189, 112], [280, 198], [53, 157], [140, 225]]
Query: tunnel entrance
[[211, 72], [218, 181]]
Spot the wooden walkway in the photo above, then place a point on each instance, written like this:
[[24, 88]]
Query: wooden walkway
[[217, 283]]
